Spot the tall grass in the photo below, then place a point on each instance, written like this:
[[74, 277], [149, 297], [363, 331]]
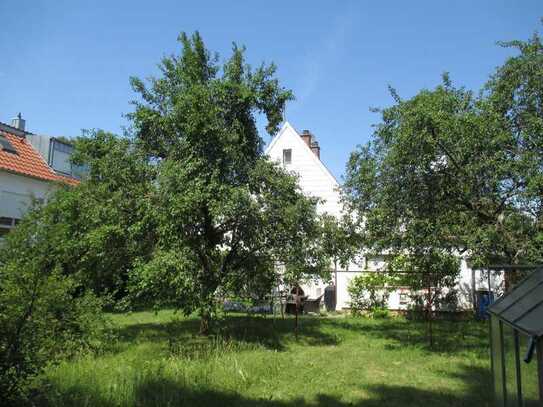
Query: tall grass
[[159, 360]]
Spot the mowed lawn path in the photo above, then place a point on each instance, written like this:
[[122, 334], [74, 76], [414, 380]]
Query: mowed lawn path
[[156, 359]]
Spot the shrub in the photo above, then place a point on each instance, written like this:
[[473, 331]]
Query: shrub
[[369, 292], [44, 313], [379, 313]]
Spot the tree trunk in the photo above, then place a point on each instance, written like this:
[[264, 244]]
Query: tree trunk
[[510, 278], [429, 328], [296, 323], [208, 287], [205, 322]]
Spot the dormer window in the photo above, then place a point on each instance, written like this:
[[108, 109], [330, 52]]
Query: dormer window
[[287, 156], [60, 154], [6, 146]]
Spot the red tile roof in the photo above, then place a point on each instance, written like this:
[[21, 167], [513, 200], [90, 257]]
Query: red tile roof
[[28, 161]]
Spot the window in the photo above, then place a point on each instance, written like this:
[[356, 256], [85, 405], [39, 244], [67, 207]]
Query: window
[[6, 224], [13, 204], [6, 146], [404, 299], [287, 156], [4, 221], [60, 154]]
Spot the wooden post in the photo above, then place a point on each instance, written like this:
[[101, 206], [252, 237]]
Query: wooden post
[[518, 373], [539, 351], [281, 305], [335, 284], [296, 313], [473, 293]]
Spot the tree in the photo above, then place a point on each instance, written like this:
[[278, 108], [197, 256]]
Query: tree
[[430, 273], [514, 95], [448, 172], [339, 242], [45, 313], [370, 292], [225, 215], [107, 217], [69, 256]]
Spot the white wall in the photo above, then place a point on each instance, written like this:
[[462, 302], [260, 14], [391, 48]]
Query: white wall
[[16, 193], [315, 179], [41, 144]]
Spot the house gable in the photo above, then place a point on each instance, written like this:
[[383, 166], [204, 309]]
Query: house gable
[[315, 179]]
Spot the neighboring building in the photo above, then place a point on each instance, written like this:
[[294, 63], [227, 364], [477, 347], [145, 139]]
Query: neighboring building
[[24, 174], [300, 154], [57, 153]]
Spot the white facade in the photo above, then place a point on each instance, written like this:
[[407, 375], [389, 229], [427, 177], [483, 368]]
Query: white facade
[[316, 180], [17, 191], [16, 195], [25, 174]]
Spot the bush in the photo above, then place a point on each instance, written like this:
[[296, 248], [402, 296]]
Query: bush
[[448, 301], [44, 314], [379, 313], [369, 292]]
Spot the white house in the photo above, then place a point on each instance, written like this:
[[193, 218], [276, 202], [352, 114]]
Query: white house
[[24, 174], [300, 154]]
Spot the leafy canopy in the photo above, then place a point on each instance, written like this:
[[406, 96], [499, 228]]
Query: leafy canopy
[[452, 171], [225, 215]]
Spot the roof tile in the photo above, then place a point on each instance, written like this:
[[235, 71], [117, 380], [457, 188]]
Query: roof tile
[[28, 161]]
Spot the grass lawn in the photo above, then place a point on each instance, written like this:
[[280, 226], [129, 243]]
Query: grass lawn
[[158, 360]]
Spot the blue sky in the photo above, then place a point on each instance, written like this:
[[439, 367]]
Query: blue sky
[[65, 64]]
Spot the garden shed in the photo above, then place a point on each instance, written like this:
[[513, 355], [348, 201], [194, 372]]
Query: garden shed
[[516, 336]]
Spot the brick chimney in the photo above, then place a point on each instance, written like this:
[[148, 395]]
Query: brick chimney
[[316, 148], [311, 142], [306, 137]]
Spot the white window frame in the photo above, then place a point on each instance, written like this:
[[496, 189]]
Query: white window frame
[[404, 298], [287, 151]]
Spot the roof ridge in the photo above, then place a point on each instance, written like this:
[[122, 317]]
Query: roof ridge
[[13, 130]]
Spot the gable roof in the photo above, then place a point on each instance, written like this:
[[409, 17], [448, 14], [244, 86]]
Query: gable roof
[[523, 307], [26, 161], [287, 127]]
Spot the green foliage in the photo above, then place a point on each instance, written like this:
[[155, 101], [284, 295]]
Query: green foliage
[[44, 313], [106, 221], [450, 173], [370, 292], [379, 313], [456, 172], [339, 241], [225, 216], [430, 274]]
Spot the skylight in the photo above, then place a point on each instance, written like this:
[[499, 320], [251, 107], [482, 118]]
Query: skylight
[[7, 146]]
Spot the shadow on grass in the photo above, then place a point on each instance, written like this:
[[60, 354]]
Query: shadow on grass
[[248, 330], [449, 336], [164, 392], [276, 334]]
